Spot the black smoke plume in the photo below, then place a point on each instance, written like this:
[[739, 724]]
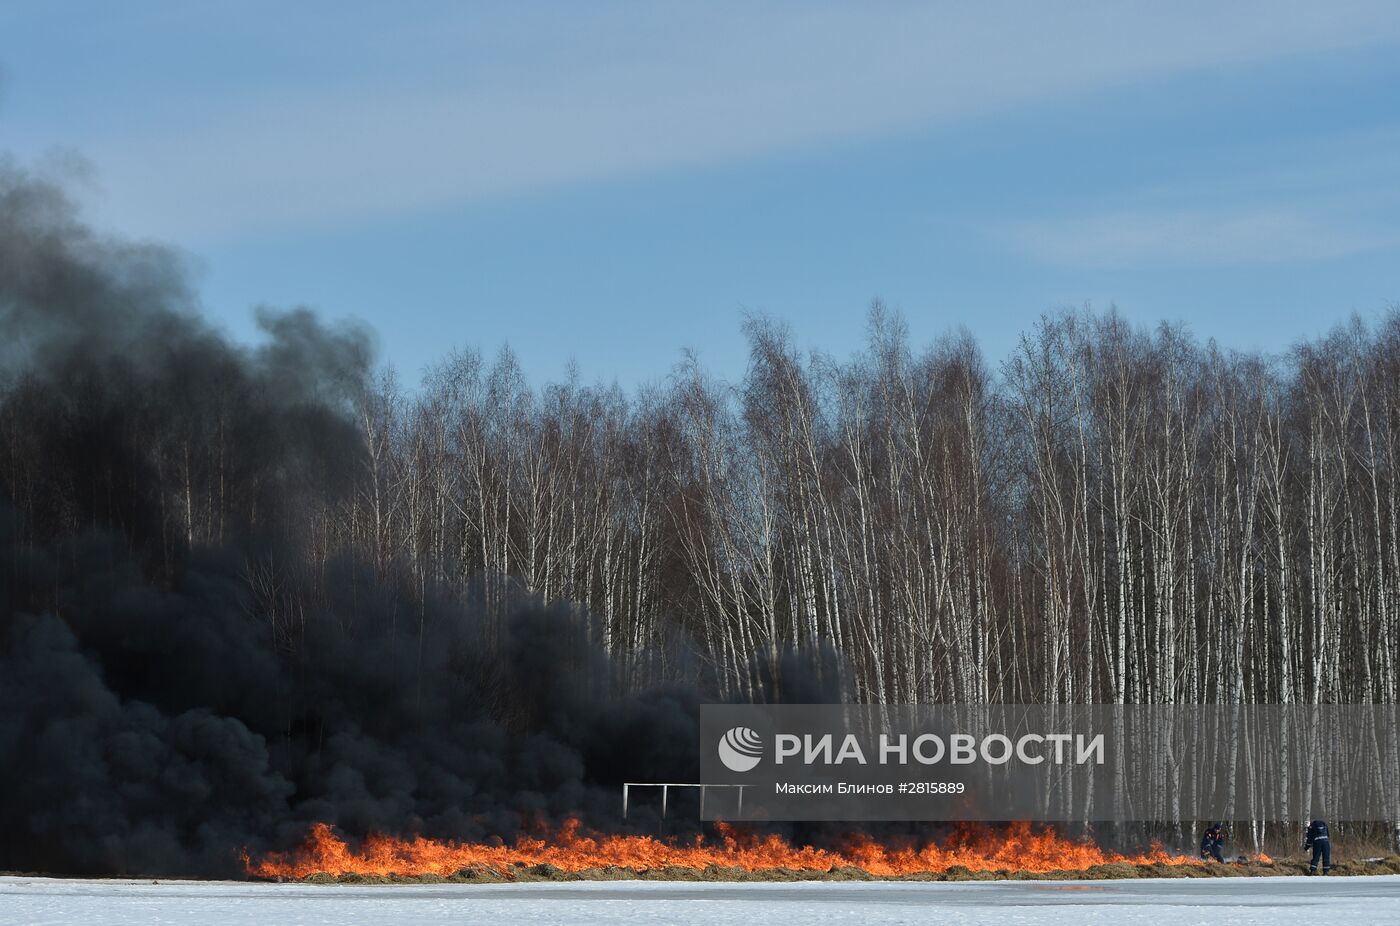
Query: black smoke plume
[[190, 664]]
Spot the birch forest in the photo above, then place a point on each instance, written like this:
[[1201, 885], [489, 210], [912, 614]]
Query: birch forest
[[1113, 514]]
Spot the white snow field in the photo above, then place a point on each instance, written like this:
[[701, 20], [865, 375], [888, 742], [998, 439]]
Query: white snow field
[[1350, 901]]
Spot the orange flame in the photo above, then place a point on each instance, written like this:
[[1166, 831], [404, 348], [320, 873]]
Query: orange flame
[[571, 849]]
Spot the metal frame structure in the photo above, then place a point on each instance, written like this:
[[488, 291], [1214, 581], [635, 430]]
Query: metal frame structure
[[666, 787]]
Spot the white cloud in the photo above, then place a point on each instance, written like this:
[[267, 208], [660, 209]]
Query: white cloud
[[482, 104]]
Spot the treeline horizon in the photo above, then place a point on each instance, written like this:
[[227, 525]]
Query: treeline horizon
[[1115, 514]]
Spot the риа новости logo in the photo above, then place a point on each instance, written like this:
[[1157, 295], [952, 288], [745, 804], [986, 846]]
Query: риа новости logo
[[740, 749]]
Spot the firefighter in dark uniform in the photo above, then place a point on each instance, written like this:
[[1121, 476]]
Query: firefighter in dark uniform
[[1212, 842], [1320, 845]]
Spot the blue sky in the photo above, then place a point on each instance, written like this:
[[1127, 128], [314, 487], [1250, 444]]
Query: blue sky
[[611, 183]]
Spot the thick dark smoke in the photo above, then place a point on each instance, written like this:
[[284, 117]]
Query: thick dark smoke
[[188, 665]]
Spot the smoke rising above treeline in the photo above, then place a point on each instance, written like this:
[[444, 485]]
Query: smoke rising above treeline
[[245, 588], [195, 657]]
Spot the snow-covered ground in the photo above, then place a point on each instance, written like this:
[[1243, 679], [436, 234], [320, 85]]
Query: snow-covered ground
[[1223, 902]]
